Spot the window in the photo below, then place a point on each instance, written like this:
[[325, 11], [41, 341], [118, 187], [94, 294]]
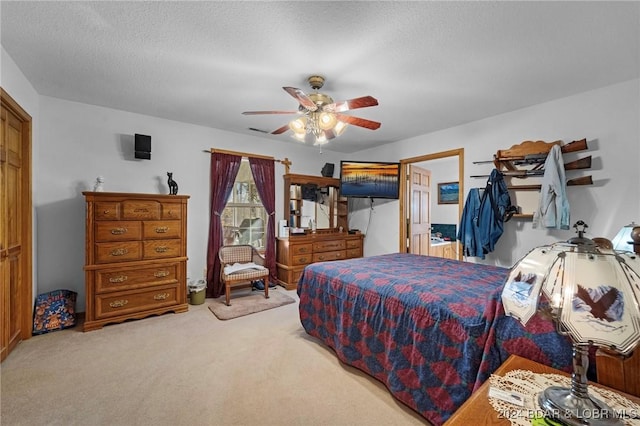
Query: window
[[244, 219]]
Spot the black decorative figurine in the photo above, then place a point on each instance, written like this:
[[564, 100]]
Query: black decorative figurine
[[173, 186]]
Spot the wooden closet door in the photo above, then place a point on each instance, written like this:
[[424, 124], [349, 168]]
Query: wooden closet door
[[15, 225]]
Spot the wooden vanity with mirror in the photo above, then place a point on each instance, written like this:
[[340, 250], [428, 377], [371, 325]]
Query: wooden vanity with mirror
[[313, 200]]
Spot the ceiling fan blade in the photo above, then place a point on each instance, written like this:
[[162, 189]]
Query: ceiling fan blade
[[269, 112], [258, 130], [304, 100], [280, 130], [357, 121], [363, 102]]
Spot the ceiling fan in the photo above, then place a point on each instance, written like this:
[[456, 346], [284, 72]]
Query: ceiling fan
[[319, 115]]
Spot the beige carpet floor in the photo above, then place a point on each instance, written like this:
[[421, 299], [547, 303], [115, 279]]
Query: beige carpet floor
[[191, 369]]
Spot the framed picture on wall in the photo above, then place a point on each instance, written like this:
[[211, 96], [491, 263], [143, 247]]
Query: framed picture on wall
[[448, 192]]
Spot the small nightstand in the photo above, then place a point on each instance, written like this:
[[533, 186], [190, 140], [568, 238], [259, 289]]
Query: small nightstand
[[478, 411]]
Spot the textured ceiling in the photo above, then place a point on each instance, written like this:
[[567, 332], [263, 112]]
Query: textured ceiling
[[431, 65]]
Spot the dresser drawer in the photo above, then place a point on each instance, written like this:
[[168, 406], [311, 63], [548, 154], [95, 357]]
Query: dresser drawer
[[302, 259], [140, 209], [161, 229], [289, 275], [351, 253], [354, 244], [301, 249], [111, 305], [130, 278], [118, 252], [171, 211], [296, 274], [329, 255], [118, 231], [158, 249], [106, 211], [329, 245]]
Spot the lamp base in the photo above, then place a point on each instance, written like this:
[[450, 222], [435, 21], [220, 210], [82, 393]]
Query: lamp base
[[560, 404]]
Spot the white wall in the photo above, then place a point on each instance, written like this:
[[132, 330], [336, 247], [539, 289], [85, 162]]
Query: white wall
[[82, 141], [608, 118]]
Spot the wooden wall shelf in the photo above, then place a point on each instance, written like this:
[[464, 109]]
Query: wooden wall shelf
[[526, 160]]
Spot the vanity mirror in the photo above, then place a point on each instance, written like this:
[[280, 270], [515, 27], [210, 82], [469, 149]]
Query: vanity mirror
[[314, 202]]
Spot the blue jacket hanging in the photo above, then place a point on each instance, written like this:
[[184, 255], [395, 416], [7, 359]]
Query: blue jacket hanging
[[482, 221], [493, 207], [469, 231]]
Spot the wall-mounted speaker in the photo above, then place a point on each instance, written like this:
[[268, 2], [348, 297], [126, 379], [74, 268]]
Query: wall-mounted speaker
[[327, 170], [142, 146]]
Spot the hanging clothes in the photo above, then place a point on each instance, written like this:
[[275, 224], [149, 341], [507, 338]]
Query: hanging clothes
[[483, 217], [553, 204], [469, 231]]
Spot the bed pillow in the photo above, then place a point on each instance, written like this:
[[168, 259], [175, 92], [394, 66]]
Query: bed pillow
[[54, 310]]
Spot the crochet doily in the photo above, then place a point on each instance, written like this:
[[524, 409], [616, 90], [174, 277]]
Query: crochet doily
[[531, 384]]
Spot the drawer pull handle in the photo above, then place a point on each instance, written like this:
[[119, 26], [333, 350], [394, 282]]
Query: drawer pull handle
[[303, 259], [302, 250], [161, 296], [161, 249], [106, 211], [118, 231], [119, 252], [141, 210], [162, 229], [161, 274], [120, 279], [118, 303]]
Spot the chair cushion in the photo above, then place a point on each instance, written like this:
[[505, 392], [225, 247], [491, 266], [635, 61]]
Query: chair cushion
[[247, 274], [238, 267]]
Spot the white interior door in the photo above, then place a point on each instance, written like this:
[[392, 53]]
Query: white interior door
[[419, 211]]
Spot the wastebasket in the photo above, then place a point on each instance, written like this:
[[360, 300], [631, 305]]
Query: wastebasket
[[197, 292]]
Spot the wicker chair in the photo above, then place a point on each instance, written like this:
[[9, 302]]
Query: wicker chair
[[242, 255]]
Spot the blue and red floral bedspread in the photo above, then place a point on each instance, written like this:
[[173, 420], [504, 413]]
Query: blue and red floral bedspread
[[431, 329]]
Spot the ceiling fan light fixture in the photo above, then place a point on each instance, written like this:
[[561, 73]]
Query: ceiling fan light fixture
[[319, 116], [327, 120], [321, 139], [340, 127], [299, 126], [300, 137]]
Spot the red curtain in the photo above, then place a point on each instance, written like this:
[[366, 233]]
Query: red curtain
[[224, 169], [264, 176]]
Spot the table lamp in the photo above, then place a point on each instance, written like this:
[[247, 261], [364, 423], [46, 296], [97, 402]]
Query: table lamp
[[627, 238], [593, 296]]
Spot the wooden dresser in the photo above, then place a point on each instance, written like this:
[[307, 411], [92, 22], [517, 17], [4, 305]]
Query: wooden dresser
[[136, 256], [296, 252]]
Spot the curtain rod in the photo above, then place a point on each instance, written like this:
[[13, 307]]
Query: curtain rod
[[285, 161]]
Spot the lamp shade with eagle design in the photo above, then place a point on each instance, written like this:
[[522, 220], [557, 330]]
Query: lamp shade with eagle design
[[593, 295]]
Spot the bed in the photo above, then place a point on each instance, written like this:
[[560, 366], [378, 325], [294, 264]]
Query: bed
[[431, 329]]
